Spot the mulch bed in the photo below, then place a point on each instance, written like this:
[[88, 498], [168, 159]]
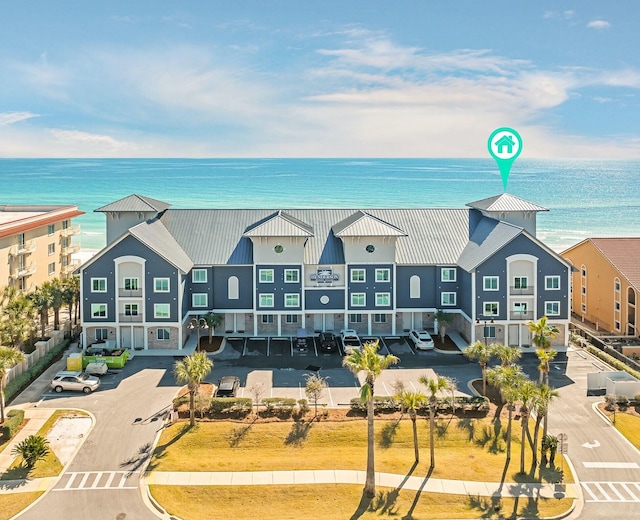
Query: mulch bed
[[631, 410], [448, 345], [214, 346]]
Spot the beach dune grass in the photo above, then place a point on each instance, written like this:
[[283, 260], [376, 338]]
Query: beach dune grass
[[341, 501], [468, 449]]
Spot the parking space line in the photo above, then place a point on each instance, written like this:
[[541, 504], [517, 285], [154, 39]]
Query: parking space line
[[268, 345], [291, 345], [330, 396]]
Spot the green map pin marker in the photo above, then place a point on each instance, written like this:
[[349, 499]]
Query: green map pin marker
[[505, 144]]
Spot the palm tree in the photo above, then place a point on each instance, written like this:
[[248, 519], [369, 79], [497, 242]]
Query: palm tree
[[366, 359], [482, 353], [542, 333], [527, 395], [32, 449], [192, 370], [434, 386], [443, 319], [41, 299], [57, 301], [507, 355], [69, 294], [16, 323], [411, 401], [211, 320], [9, 357], [507, 378], [545, 357], [542, 401]]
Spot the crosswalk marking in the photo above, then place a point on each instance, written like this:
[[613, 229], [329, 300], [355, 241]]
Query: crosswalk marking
[[77, 480], [612, 491]]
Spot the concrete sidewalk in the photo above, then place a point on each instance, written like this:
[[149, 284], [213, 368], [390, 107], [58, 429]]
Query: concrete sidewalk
[[389, 480]]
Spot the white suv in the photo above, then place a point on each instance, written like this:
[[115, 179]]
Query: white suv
[[69, 380]]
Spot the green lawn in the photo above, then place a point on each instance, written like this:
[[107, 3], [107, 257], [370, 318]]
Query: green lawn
[[339, 502], [12, 504], [629, 426], [466, 449]]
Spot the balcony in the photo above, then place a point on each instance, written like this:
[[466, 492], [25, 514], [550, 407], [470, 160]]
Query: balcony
[[23, 249], [521, 291], [72, 230], [70, 267], [520, 315], [69, 249], [129, 293], [23, 271], [130, 318]]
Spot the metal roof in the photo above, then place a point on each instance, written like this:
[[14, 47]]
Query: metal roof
[[363, 224], [506, 203], [623, 254], [488, 237], [135, 203], [154, 235], [279, 224], [216, 236]]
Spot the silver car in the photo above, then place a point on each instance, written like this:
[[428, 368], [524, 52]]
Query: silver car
[[69, 380]]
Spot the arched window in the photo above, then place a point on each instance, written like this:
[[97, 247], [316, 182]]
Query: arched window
[[414, 286], [233, 292]]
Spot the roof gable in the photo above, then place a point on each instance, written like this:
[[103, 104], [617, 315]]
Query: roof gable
[[623, 254], [363, 224], [279, 224], [489, 236], [505, 203], [135, 203]]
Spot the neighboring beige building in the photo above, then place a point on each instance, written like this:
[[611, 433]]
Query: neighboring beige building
[[606, 283], [36, 244]]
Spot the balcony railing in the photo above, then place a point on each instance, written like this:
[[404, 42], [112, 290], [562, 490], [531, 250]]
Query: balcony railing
[[131, 318], [23, 249], [71, 266], [527, 291], [69, 249], [72, 230], [519, 315], [129, 293], [23, 271]]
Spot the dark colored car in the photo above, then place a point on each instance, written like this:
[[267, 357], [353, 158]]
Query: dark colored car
[[228, 386], [328, 342], [301, 339]]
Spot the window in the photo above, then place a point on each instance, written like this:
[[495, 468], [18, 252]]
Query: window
[[383, 299], [552, 308], [199, 276], [617, 285], [21, 239], [52, 249], [358, 275], [490, 283], [616, 325], [584, 307], [131, 309], [448, 298], [266, 300], [414, 286], [101, 334], [489, 331], [355, 318], [520, 308], [552, 283], [584, 290], [233, 288], [64, 243], [291, 318], [199, 299], [163, 334], [379, 318], [98, 310], [65, 224], [98, 285], [51, 229], [266, 275], [520, 282], [266, 318], [383, 275], [291, 275], [161, 310], [491, 309], [130, 284], [52, 268], [278, 248], [292, 300], [358, 299], [161, 284], [448, 274], [64, 262]]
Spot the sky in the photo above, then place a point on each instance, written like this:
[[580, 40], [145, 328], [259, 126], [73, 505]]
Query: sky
[[347, 78]]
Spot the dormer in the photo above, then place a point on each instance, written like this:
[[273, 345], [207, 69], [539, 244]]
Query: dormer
[[278, 238], [367, 238], [511, 209], [125, 213]]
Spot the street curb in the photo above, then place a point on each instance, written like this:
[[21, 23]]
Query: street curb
[[57, 478]]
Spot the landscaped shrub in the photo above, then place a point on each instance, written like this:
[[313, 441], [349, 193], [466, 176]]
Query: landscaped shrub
[[611, 402], [282, 406], [615, 363], [303, 405], [381, 403], [389, 404], [623, 402], [12, 423], [218, 405], [32, 449], [21, 382]]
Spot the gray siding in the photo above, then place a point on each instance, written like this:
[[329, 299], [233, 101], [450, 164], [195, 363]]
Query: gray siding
[[336, 299], [427, 287], [221, 275], [370, 287], [279, 287]]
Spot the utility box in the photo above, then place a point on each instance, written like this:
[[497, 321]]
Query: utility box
[[74, 362]]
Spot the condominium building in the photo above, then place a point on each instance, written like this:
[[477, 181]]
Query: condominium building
[[36, 244], [269, 272]]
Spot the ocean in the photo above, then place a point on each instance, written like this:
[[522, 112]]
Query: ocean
[[586, 198]]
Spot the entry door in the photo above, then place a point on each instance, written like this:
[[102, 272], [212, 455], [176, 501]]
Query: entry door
[[229, 322], [417, 320], [328, 322], [526, 336], [406, 321], [125, 337], [317, 322], [240, 322], [514, 336], [138, 337]]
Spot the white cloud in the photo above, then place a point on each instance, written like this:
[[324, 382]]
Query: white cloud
[[9, 118], [85, 138], [558, 15], [598, 25]]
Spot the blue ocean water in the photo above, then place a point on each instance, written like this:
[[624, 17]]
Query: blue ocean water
[[585, 197]]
